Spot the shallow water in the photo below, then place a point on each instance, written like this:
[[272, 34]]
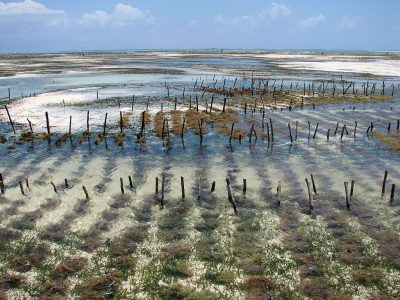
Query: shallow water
[[282, 237]]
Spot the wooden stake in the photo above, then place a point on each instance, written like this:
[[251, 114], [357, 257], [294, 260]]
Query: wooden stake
[[21, 187], [130, 182], [313, 184], [30, 125], [384, 182], [223, 108], [230, 138], [310, 196], [121, 181], [351, 189], [70, 125], [47, 122], [66, 183], [355, 128], [244, 185], [327, 135], [162, 190], [183, 126], [9, 118], [278, 193], [87, 122], [290, 133], [54, 187], [230, 196], [105, 125], [27, 183], [86, 193], [183, 187], [392, 193], [213, 187], [346, 184], [156, 185], [272, 130], [315, 132]]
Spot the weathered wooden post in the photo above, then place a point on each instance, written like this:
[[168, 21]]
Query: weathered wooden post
[[156, 185], [327, 135], [87, 122], [351, 189], [54, 187], [66, 183], [9, 118], [310, 196], [30, 125], [392, 193], [346, 184], [121, 122], [244, 185], [212, 102], [47, 122], [223, 108], [130, 182], [337, 126], [272, 130], [183, 187], [70, 126], [315, 132], [384, 182], [86, 192], [213, 187], [230, 195], [313, 184], [105, 125], [121, 181], [290, 133], [230, 138], [183, 126], [355, 128], [21, 187], [295, 134]]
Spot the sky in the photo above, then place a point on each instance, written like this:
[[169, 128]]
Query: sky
[[72, 25]]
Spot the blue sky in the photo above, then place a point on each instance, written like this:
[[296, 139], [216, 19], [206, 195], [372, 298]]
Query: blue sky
[[68, 25]]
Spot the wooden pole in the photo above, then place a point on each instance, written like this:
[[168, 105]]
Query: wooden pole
[[351, 189], [86, 192], [230, 138], [230, 196], [47, 122], [183, 187], [244, 185], [183, 127], [121, 124], [105, 125], [54, 187], [290, 133], [337, 126], [121, 181], [355, 128], [70, 125], [87, 122], [346, 184], [30, 125], [313, 184], [272, 130], [310, 196], [66, 183], [9, 118], [278, 193], [21, 187], [156, 185], [392, 193], [223, 108], [384, 182], [27, 183], [295, 134], [130, 182], [315, 132], [327, 135], [213, 187]]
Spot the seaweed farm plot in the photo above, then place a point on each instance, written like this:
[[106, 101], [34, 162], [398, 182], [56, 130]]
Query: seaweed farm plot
[[195, 185]]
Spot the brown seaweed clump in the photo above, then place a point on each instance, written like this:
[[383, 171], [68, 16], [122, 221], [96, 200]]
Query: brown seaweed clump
[[2, 139], [8, 281], [70, 267], [25, 137], [63, 138], [85, 135], [119, 138], [54, 290], [33, 258], [158, 123], [368, 277], [102, 287], [226, 130]]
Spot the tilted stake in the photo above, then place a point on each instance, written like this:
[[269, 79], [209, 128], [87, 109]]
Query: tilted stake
[[384, 182], [86, 193], [54, 187]]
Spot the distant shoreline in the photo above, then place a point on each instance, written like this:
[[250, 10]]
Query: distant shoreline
[[215, 50]]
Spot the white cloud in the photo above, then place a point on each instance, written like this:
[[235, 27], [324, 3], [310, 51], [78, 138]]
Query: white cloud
[[121, 15], [27, 7], [272, 13], [310, 22], [349, 22]]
